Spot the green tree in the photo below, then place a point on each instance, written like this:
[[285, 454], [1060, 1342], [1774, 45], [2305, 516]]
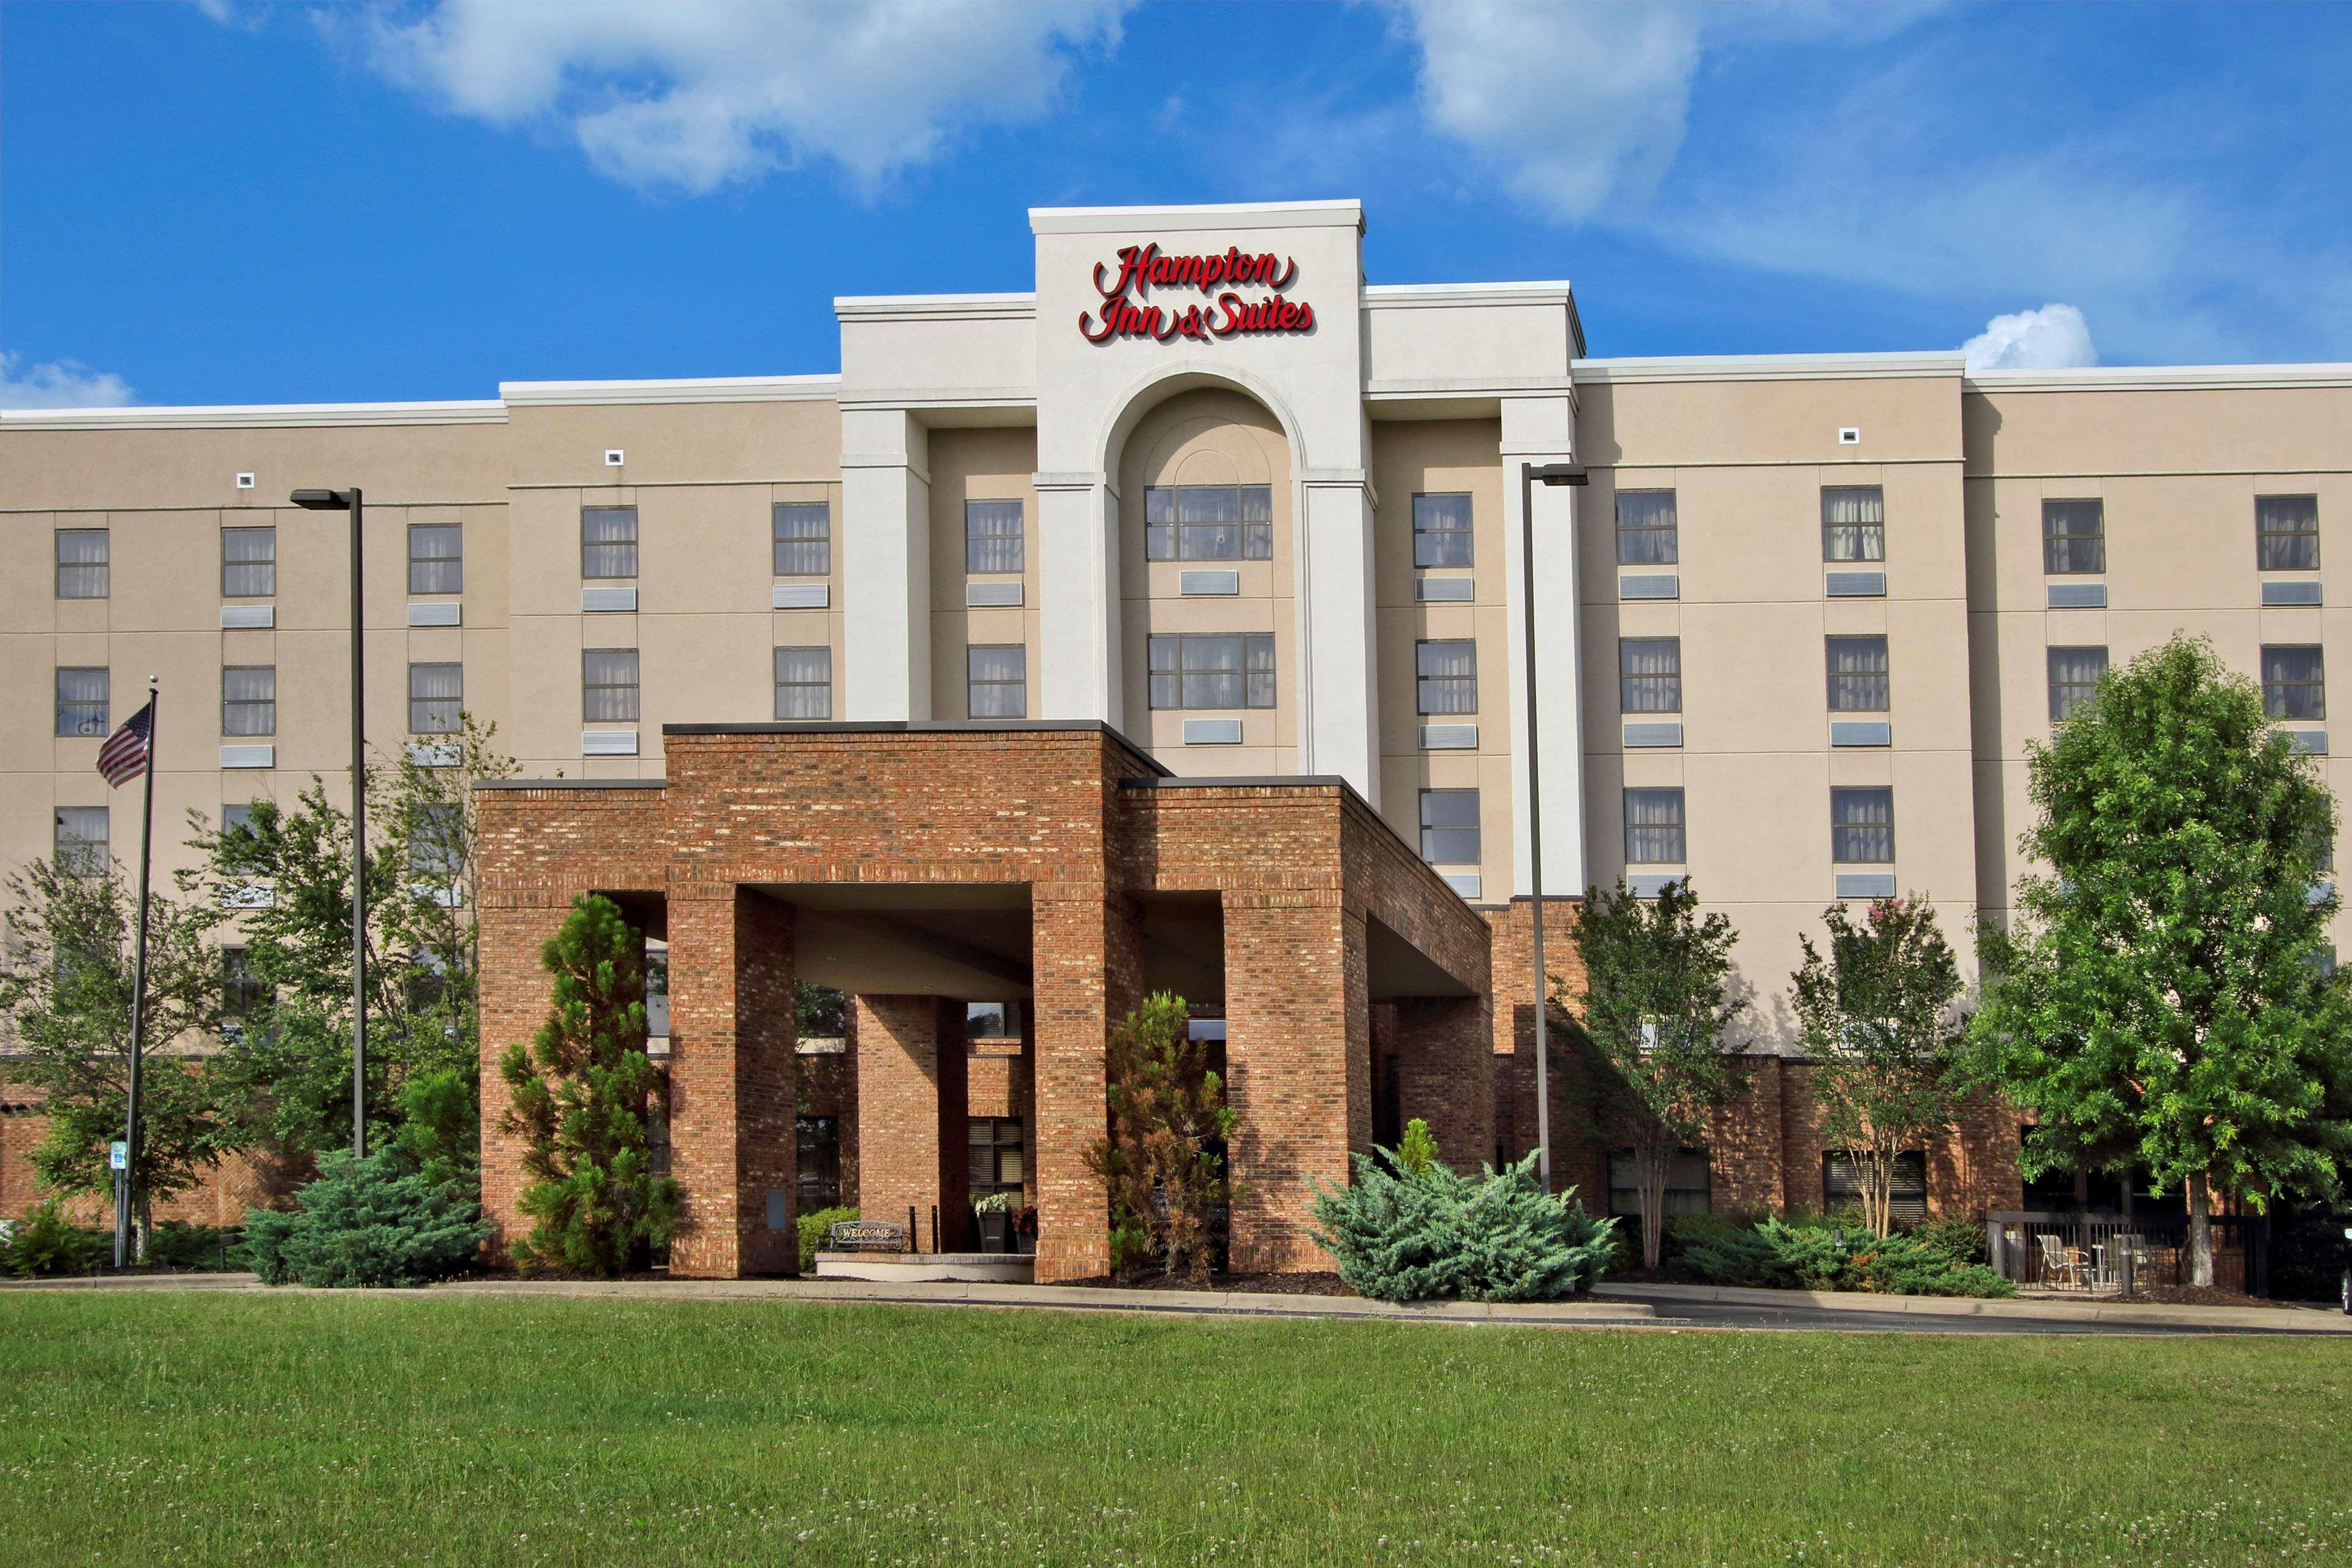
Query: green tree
[[1876, 1013], [2160, 998], [64, 994], [1156, 1163], [584, 1097], [1658, 1006], [288, 1065]]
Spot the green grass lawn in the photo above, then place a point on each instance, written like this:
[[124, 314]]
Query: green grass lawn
[[440, 1427]]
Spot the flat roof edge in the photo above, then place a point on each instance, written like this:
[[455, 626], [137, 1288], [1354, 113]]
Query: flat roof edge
[[254, 415], [2158, 378], [694, 389], [1345, 213], [917, 727], [570, 784], [1766, 367]]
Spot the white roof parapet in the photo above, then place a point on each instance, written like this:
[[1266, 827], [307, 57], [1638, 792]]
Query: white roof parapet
[[2158, 378], [1767, 367], [1349, 213], [935, 307], [704, 389], [254, 415]]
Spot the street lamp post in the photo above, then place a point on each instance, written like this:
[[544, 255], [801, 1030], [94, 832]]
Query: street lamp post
[[1530, 475], [349, 502]]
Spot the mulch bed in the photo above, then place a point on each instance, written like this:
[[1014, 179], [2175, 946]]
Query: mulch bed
[[1262, 1284], [2199, 1295]]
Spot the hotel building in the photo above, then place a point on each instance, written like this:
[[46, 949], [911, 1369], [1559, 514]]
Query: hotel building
[[1201, 566]]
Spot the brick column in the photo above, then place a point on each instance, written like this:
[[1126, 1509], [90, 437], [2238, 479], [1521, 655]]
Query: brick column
[[733, 1083], [1298, 1045], [1446, 1074], [913, 1107], [1088, 974], [516, 995]]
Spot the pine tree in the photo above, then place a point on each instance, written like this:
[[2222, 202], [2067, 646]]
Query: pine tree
[[583, 1096], [1156, 1164]]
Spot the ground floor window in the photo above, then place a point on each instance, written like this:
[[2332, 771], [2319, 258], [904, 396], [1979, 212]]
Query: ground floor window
[[1842, 1185], [1690, 1183], [820, 1175], [996, 1164]]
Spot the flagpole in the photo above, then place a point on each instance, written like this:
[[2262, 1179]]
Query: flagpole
[[129, 1197]]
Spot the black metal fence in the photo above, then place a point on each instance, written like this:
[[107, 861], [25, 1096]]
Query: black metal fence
[[2101, 1253]]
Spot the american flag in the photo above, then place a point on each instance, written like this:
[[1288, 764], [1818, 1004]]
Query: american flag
[[124, 755]]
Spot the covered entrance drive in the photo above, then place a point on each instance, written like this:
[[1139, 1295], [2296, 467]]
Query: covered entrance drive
[[920, 868]]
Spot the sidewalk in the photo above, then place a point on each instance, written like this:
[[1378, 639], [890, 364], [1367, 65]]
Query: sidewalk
[[2293, 1320]]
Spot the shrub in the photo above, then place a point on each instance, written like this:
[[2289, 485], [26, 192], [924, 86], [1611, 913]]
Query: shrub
[[366, 1222], [813, 1226], [1807, 1254], [178, 1244], [45, 1242], [1957, 1236], [1741, 1256], [1402, 1236]]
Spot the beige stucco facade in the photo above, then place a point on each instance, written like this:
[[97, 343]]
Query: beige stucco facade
[[1394, 392]]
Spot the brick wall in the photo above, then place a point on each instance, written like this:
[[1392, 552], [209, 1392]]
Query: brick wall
[[911, 1078]]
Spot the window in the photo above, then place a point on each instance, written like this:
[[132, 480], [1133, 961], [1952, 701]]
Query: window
[[250, 699], [989, 1021], [1842, 1185], [803, 538], [78, 843], [1645, 528], [237, 819], [2286, 533], [82, 701], [992, 536], [996, 1162], [1449, 826], [436, 693], [436, 557], [249, 563], [1857, 674], [1861, 826], [1448, 673], [2294, 683], [437, 832], [997, 681], [1853, 522], [803, 683], [2074, 676], [81, 563], [608, 541], [1690, 1183], [1210, 523], [1653, 827], [820, 1161], [1650, 675], [608, 685], [1440, 531], [2074, 536], [1211, 671], [241, 990]]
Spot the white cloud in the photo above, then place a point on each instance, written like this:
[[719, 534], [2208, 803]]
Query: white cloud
[[59, 383], [1580, 105], [2056, 337], [691, 95]]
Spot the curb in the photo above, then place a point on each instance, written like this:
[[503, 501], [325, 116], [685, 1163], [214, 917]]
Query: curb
[[2277, 1320]]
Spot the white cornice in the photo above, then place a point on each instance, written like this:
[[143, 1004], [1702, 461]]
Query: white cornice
[[1226, 215], [2158, 378], [705, 389], [935, 307], [255, 416], [1767, 367], [1413, 296]]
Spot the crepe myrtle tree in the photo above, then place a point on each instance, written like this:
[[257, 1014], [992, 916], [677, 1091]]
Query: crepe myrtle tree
[[1658, 1005], [1876, 1012], [2162, 999]]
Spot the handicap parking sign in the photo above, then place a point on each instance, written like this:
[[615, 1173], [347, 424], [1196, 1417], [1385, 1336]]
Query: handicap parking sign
[[117, 1155]]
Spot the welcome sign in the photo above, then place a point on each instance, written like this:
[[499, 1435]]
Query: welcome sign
[[1128, 310]]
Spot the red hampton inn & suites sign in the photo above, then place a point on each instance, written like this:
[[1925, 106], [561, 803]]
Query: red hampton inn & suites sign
[[1127, 311]]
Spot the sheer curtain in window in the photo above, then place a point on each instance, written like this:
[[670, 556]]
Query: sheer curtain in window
[[608, 541], [2074, 678], [437, 562], [992, 534], [249, 563], [82, 699], [1857, 674], [250, 699], [803, 538], [1861, 826], [436, 693], [1653, 827], [997, 676], [1448, 677], [1646, 528], [608, 685], [803, 683], [1440, 531], [81, 563], [2286, 533], [1650, 675], [1853, 524]]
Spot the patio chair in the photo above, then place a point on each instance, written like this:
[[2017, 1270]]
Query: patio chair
[[2064, 1266]]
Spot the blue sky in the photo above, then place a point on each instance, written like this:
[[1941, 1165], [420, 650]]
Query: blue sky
[[229, 202]]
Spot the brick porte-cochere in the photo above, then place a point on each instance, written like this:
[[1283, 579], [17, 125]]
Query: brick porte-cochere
[[916, 864]]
